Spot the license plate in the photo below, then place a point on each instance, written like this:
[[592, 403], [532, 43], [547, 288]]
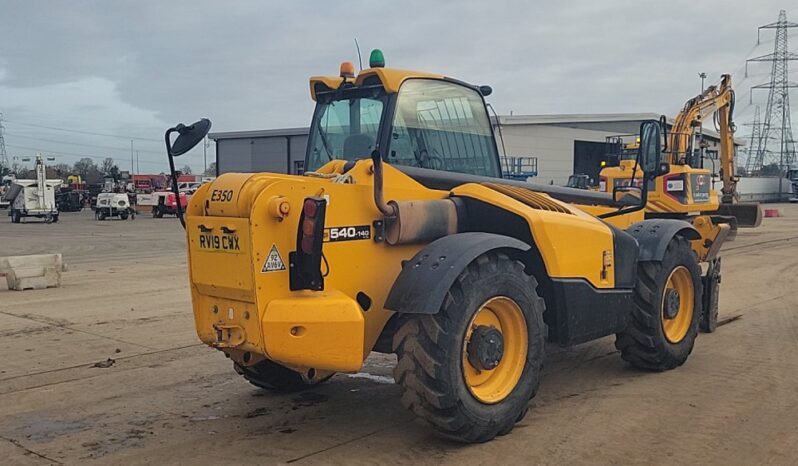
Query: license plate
[[227, 242]]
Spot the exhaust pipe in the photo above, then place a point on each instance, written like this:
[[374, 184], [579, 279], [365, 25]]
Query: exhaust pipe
[[408, 222]]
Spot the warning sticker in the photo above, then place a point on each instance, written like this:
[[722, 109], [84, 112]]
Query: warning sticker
[[274, 262]]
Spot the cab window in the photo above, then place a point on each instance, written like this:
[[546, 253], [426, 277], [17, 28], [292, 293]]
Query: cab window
[[442, 126], [345, 128]]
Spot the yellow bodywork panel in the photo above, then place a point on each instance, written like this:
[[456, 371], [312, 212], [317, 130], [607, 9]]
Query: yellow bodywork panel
[[572, 244], [316, 330], [222, 241]]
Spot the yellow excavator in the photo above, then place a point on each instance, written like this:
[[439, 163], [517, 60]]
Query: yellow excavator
[[402, 237], [686, 192]]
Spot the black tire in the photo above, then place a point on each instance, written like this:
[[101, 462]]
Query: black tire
[[15, 216], [272, 376], [101, 215], [430, 348], [643, 343], [156, 213], [123, 215], [55, 218]]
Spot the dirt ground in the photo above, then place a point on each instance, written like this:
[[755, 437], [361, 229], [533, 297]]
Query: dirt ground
[[166, 399]]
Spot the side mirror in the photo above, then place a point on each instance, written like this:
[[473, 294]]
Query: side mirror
[[650, 150], [187, 136]]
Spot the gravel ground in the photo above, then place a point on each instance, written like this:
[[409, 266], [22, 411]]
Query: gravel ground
[[166, 399]]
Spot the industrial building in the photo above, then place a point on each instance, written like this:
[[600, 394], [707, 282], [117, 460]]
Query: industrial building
[[558, 145]]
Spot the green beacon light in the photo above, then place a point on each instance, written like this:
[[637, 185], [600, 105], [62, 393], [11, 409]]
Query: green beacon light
[[376, 59]]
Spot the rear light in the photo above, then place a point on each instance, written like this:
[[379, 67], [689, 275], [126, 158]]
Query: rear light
[[310, 208], [305, 262]]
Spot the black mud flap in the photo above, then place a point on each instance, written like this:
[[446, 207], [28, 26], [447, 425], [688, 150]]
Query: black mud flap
[[425, 279], [709, 313]]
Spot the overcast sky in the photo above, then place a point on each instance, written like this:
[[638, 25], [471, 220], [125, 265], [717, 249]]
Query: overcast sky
[[131, 69]]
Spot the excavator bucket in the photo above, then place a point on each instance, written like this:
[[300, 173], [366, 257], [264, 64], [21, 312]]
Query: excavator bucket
[[748, 214]]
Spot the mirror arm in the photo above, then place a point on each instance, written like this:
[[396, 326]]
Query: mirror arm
[[641, 206], [173, 172]]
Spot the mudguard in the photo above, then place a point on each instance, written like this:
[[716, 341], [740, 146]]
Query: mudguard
[[653, 236], [425, 279]]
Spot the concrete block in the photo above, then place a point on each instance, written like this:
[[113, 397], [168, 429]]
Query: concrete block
[[33, 272]]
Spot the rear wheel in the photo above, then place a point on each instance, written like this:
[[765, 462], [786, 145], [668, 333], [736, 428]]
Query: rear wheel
[[156, 213], [15, 216], [664, 323], [123, 215], [272, 376], [471, 369], [55, 218]]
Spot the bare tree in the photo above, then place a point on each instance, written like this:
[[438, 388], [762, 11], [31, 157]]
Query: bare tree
[[87, 170], [109, 168]]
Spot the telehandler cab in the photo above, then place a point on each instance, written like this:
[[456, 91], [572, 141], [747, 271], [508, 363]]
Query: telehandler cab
[[402, 237]]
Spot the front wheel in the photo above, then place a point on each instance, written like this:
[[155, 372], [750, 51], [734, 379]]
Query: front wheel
[[15, 216], [471, 369], [664, 323]]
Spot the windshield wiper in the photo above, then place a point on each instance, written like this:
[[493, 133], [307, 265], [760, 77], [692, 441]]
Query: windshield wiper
[[325, 144]]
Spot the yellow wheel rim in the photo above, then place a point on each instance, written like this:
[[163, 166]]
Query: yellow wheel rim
[[677, 327], [492, 386]]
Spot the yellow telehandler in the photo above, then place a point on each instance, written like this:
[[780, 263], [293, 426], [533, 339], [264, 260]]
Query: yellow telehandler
[[402, 237]]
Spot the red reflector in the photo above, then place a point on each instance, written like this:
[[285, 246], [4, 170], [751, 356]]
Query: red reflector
[[308, 225], [310, 208], [307, 245]]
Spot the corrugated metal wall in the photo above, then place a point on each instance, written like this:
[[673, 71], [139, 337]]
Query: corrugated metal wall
[[262, 154]]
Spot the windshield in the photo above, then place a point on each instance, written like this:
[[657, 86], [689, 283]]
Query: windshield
[[443, 126], [629, 153], [345, 128]]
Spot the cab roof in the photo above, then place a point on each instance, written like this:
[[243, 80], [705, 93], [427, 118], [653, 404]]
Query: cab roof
[[390, 79]]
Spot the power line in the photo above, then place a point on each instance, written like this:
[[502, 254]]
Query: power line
[[72, 154], [84, 132], [58, 141]]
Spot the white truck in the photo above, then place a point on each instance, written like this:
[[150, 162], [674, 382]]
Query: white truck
[[33, 198]]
